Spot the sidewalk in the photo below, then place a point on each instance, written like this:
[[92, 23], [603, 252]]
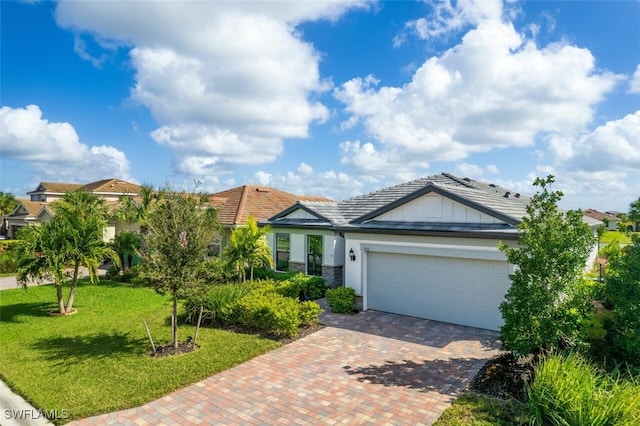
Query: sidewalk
[[15, 411], [7, 283]]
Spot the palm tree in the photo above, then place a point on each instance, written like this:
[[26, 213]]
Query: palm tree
[[126, 243], [248, 248], [7, 203], [73, 238], [130, 211]]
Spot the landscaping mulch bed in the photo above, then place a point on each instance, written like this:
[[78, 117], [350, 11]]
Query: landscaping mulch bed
[[504, 376], [169, 349]]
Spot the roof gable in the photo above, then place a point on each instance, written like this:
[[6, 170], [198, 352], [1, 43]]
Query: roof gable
[[112, 186], [498, 204], [434, 207], [55, 187], [27, 208]]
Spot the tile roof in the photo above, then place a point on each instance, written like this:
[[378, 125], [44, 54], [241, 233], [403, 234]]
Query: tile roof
[[489, 197], [55, 187], [114, 186], [31, 207], [236, 204], [361, 211], [595, 214]]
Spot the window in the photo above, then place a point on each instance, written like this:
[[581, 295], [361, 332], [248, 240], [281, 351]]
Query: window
[[282, 252], [214, 249], [314, 255]]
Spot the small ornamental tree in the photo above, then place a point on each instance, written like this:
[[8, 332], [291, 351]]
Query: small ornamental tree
[[174, 246], [545, 306], [622, 290]]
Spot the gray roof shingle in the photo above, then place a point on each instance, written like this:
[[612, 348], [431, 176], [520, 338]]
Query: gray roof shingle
[[360, 212]]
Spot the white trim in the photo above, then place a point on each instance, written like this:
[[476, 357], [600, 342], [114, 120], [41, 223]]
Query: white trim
[[441, 250]]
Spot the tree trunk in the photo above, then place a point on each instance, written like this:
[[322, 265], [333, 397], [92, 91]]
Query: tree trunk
[[74, 284], [60, 298], [122, 262], [174, 321]]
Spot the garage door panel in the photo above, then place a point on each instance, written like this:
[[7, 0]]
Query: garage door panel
[[456, 290]]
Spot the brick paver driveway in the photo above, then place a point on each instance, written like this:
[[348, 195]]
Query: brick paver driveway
[[371, 368]]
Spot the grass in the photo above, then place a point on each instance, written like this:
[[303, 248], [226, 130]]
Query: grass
[[96, 360], [481, 410], [570, 390], [609, 236]]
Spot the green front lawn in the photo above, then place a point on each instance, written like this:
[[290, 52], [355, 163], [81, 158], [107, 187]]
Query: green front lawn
[[609, 236], [96, 360]]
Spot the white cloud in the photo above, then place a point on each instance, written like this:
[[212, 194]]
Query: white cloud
[[475, 171], [225, 81], [80, 47], [604, 163], [614, 146], [634, 83], [449, 16], [306, 181], [496, 89], [54, 150]]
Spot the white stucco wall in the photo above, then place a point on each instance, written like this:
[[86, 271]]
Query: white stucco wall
[[332, 245]]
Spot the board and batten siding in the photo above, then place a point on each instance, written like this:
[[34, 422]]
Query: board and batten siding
[[436, 208]]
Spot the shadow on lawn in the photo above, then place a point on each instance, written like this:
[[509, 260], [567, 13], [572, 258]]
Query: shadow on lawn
[[11, 313], [65, 351], [447, 377]]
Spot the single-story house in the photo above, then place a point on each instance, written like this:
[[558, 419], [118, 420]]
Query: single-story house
[[235, 205], [38, 208], [425, 248], [610, 221]]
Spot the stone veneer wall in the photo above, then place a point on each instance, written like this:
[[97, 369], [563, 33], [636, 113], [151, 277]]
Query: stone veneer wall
[[332, 275], [297, 267]]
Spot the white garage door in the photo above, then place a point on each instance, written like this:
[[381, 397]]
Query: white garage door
[[455, 290]]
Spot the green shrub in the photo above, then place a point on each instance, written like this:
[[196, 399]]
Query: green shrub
[[341, 299], [623, 293], [218, 303], [8, 262], [113, 273], [309, 313], [270, 312], [312, 287], [568, 390], [299, 284], [8, 244], [215, 271]]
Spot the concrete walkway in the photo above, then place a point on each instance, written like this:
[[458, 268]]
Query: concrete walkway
[[7, 283], [372, 368], [15, 411]]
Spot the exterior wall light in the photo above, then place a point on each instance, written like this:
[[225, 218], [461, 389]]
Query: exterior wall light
[[352, 255]]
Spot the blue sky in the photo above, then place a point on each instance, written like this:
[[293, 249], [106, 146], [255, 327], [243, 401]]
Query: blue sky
[[323, 98]]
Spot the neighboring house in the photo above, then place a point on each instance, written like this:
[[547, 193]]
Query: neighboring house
[[610, 221], [235, 205], [39, 209], [425, 248]]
